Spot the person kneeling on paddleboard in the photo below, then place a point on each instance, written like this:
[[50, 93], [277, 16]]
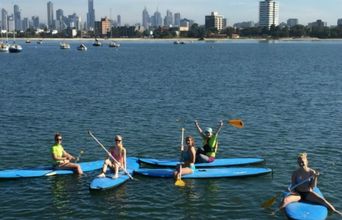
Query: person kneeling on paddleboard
[[62, 158], [116, 159], [188, 157], [207, 153]]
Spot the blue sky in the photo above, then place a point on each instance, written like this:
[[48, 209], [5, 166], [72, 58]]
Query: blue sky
[[234, 10]]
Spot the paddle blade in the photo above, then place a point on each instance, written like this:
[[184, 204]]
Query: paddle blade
[[236, 123], [268, 203], [180, 183]]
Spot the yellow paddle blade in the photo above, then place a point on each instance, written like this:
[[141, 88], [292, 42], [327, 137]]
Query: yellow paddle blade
[[180, 183], [236, 123], [268, 203]]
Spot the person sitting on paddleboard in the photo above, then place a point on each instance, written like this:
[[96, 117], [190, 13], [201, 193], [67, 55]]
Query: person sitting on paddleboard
[[207, 153], [188, 159], [118, 152], [306, 179], [62, 158]]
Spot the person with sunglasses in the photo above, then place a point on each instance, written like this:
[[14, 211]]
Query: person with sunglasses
[[118, 152], [207, 153], [62, 158]]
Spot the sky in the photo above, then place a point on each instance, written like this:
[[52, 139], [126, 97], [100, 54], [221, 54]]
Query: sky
[[233, 10]]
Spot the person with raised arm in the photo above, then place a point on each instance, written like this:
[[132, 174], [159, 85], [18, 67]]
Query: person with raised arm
[[207, 153]]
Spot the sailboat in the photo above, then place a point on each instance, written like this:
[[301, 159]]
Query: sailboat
[[14, 48], [64, 45], [82, 47], [97, 43], [4, 47]]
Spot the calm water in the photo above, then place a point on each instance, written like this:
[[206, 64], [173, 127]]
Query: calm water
[[289, 95]]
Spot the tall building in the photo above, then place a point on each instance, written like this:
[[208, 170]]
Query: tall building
[[35, 22], [214, 21], [91, 15], [339, 22], [118, 20], [4, 21], [25, 24], [177, 19], [156, 19], [17, 18], [168, 20], [50, 15], [268, 13], [146, 20], [10, 20]]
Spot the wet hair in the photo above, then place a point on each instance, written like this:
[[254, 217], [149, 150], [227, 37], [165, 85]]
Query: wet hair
[[57, 135], [192, 139], [303, 154]]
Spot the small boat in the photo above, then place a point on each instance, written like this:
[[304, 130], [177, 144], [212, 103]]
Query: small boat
[[15, 48], [114, 44], [40, 42], [303, 210], [64, 45], [97, 43], [102, 183], [206, 173], [82, 47], [216, 163], [28, 41], [47, 170], [4, 47]]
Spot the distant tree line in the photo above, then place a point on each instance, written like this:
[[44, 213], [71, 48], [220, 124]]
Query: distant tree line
[[197, 31]]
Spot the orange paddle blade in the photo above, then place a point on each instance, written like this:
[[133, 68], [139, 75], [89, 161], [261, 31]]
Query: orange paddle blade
[[268, 203], [236, 123], [180, 183]]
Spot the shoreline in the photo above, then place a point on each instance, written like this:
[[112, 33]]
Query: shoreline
[[177, 39]]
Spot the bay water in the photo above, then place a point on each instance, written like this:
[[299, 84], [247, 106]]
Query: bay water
[[288, 93]]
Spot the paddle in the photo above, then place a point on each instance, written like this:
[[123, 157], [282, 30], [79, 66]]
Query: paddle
[[268, 203], [129, 175], [79, 156], [238, 123], [179, 181]]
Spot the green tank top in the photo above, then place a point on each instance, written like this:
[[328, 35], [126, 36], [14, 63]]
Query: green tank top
[[57, 150], [211, 146]]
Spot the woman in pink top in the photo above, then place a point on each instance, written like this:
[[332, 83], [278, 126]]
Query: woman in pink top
[[118, 152]]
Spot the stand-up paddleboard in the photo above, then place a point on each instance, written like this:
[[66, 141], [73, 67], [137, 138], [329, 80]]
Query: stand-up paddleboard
[[206, 173], [102, 183], [303, 210], [216, 163], [47, 171]]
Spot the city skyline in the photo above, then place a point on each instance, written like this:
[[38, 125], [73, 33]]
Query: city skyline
[[234, 11]]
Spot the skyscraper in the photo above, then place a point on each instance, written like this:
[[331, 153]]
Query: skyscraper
[[17, 18], [146, 20], [91, 15], [118, 20], [50, 15], [268, 13], [4, 21], [168, 20], [156, 19], [177, 19]]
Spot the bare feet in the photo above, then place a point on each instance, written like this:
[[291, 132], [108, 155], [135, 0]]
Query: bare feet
[[101, 175]]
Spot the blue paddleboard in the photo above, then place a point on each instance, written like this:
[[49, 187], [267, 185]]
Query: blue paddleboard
[[306, 211], [206, 173], [102, 183], [216, 163], [47, 171]]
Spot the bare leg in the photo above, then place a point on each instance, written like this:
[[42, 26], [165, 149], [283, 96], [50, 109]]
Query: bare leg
[[314, 197], [72, 166]]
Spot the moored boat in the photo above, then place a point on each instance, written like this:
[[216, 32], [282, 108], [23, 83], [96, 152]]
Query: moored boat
[[64, 45], [114, 44], [15, 48], [4, 47], [82, 47]]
